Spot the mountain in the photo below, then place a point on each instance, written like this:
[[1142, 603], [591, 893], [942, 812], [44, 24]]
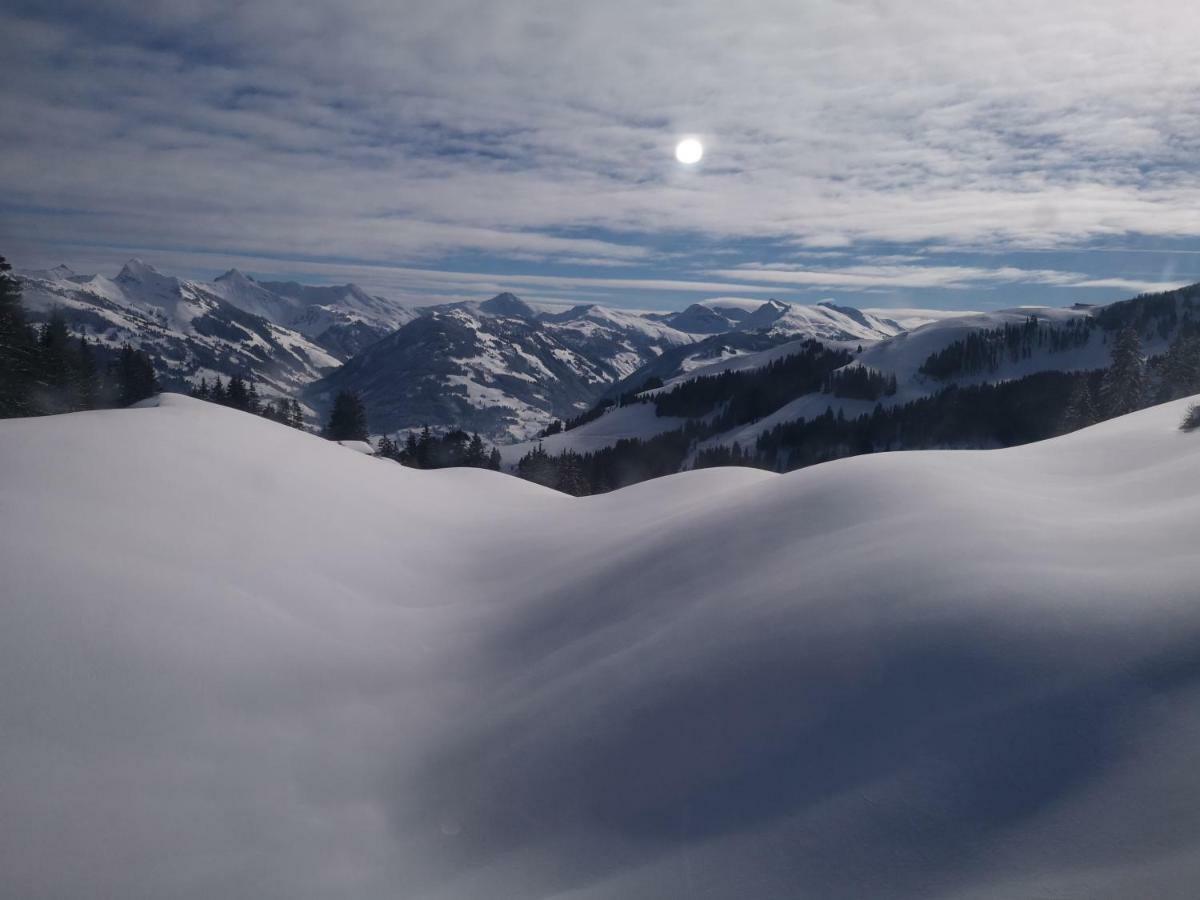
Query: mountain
[[972, 380], [507, 369], [499, 366], [344, 319], [295, 671], [191, 329]]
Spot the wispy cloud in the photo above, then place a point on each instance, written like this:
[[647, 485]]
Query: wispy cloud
[[438, 135], [909, 276]]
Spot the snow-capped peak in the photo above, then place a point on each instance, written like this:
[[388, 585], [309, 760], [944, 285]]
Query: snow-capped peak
[[234, 276], [507, 304], [61, 272], [137, 270]]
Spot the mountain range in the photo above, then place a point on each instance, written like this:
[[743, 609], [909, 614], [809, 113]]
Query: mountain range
[[502, 367], [508, 369]]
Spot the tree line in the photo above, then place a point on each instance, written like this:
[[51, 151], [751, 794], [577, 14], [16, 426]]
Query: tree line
[[240, 394], [984, 350], [348, 422], [433, 451]]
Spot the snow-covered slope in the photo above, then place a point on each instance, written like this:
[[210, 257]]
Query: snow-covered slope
[[637, 420], [191, 329], [297, 672]]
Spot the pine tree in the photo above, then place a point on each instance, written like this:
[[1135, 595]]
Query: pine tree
[[252, 401], [1123, 389], [538, 466], [237, 395], [87, 380], [348, 419], [1181, 368], [476, 454], [1081, 407], [570, 478], [16, 348], [217, 394], [494, 460], [133, 375], [56, 365], [295, 415], [424, 452], [385, 447]]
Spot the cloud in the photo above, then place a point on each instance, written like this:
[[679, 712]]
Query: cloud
[[419, 134], [912, 276]]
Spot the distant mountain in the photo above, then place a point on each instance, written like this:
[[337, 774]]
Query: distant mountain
[[191, 329], [501, 366], [975, 380], [498, 366], [507, 369], [344, 319]]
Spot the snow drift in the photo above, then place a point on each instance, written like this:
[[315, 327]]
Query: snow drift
[[240, 661]]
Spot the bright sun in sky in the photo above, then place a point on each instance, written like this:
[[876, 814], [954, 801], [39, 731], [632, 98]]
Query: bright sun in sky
[[689, 151]]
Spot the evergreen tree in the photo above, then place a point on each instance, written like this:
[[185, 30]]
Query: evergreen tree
[[1191, 419], [570, 478], [476, 454], [133, 375], [1123, 389], [538, 466], [1181, 368], [424, 449], [16, 348], [56, 369], [217, 394], [252, 400], [87, 380], [494, 460], [1081, 407], [411, 449], [237, 395], [295, 415], [386, 447], [348, 419]]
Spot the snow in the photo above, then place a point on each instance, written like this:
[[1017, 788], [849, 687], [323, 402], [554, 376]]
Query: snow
[[638, 420], [298, 672]]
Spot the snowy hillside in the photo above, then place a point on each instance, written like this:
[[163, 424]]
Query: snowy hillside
[[295, 671]]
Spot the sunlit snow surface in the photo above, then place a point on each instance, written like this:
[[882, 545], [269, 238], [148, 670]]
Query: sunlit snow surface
[[239, 661]]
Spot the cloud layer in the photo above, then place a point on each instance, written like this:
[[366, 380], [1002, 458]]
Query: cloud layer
[[472, 136]]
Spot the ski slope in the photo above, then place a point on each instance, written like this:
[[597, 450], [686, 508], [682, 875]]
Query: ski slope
[[243, 662]]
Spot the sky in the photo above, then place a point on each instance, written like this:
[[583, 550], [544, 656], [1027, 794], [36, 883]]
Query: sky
[[880, 154]]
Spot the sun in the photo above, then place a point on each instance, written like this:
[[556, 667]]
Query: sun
[[689, 151]]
